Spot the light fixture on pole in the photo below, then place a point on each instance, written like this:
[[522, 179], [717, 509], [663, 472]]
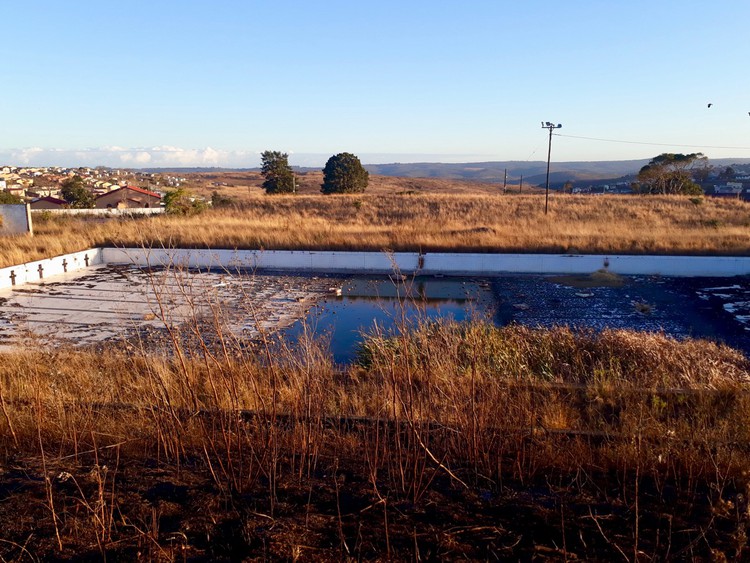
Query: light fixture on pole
[[551, 127]]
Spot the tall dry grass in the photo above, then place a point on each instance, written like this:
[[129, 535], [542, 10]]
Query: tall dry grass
[[472, 380], [454, 222]]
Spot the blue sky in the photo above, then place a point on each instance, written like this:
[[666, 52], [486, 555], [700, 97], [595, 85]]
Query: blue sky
[[214, 83]]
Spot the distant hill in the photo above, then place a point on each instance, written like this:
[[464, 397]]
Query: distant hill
[[192, 169], [533, 172]]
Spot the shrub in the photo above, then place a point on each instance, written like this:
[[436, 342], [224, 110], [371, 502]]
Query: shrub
[[344, 174]]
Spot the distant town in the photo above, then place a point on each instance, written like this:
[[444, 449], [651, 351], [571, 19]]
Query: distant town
[[110, 188]]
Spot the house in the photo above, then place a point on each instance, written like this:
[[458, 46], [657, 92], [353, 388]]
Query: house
[[128, 197], [731, 189], [17, 190], [49, 202]]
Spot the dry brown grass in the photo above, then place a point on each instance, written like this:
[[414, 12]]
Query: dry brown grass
[[456, 408], [244, 186], [431, 222], [428, 373]]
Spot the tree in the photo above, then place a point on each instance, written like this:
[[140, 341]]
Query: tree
[[702, 172], [344, 174], [727, 174], [218, 200], [279, 178], [7, 197], [75, 193], [670, 173], [182, 202]]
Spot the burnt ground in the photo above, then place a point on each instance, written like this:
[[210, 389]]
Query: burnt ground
[[120, 511]]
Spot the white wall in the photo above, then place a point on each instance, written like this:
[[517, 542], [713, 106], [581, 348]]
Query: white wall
[[110, 211], [433, 263], [375, 263], [16, 219], [301, 261], [67, 263]]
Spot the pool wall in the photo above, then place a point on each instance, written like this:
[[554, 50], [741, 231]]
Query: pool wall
[[449, 264], [37, 270], [437, 263]]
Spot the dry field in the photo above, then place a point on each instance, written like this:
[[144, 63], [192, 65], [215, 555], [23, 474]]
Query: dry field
[[247, 185], [430, 222]]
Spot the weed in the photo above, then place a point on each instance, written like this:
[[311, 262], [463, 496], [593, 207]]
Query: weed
[[642, 307]]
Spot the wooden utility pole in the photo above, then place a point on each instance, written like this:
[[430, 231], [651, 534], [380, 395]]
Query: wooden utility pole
[[551, 127]]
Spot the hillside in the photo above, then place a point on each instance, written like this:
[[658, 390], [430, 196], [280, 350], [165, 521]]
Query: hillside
[[474, 173], [533, 172], [242, 185]]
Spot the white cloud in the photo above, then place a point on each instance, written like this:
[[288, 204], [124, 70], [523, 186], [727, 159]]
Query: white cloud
[[135, 157], [167, 156]]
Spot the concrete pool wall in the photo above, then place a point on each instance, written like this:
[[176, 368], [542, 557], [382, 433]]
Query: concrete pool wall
[[21, 274], [431, 263]]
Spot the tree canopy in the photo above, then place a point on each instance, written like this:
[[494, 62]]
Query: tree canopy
[[8, 198], [182, 202], [76, 194], [670, 173], [344, 174], [279, 178]]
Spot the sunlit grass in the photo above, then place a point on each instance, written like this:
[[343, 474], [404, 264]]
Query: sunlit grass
[[430, 222]]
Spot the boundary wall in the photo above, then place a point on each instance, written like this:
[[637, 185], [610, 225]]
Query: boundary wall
[[104, 211]]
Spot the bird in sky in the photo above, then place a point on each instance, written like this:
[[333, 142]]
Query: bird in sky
[[709, 105]]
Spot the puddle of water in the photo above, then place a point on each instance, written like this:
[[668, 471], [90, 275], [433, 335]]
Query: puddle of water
[[367, 302]]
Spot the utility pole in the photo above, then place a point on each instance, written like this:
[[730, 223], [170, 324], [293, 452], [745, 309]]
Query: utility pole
[[551, 127], [505, 180], [520, 184]]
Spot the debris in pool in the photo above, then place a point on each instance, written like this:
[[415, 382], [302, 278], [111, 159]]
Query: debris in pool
[[584, 294], [722, 288], [642, 307]]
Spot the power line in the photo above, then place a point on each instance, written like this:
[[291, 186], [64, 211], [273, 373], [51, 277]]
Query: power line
[[651, 144]]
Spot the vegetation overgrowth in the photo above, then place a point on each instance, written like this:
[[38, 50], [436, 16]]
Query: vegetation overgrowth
[[444, 441], [428, 222]]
